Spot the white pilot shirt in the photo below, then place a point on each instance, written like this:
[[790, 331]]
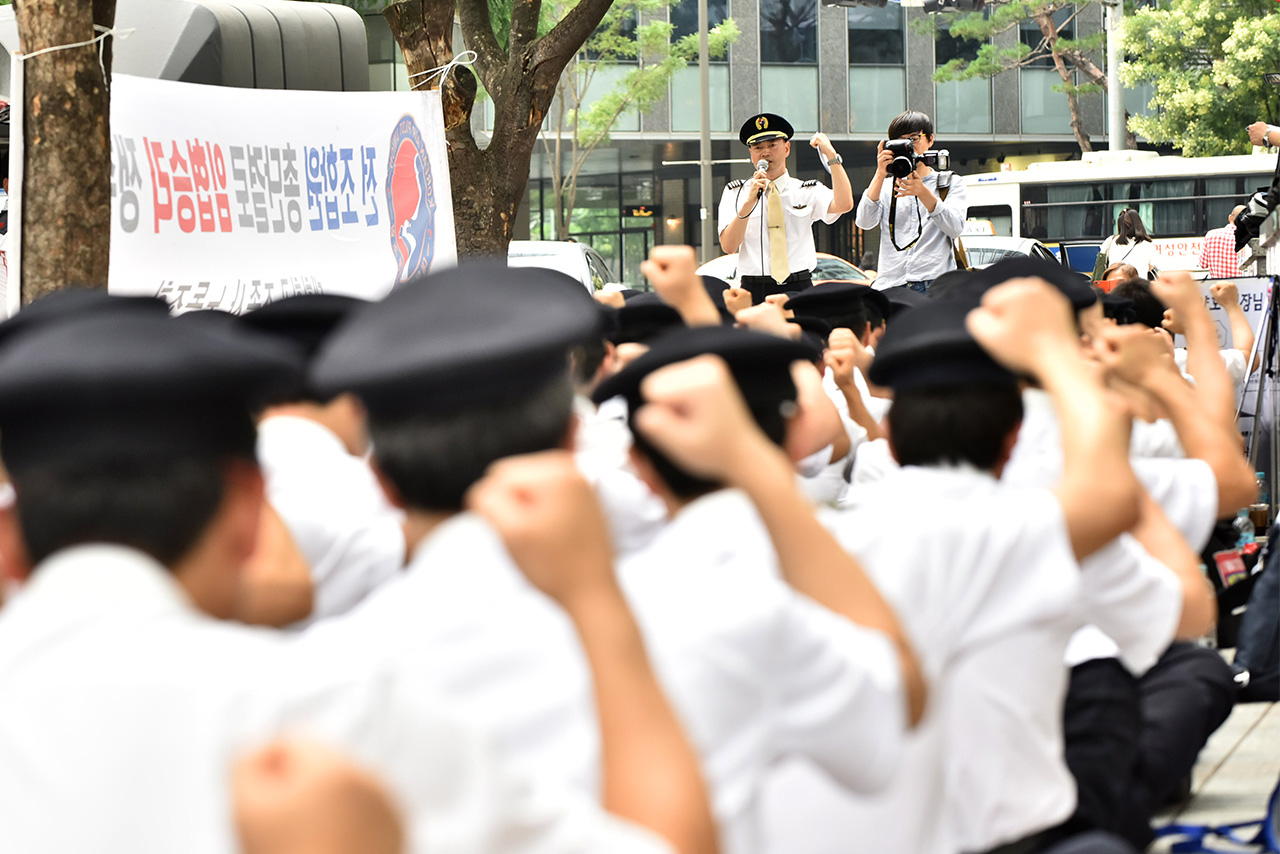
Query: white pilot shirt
[[124, 708], [756, 671], [334, 508], [804, 202], [933, 253], [985, 583], [464, 622]]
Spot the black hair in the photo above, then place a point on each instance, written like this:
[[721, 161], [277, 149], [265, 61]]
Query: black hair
[[766, 409], [947, 425], [1129, 227], [853, 317], [875, 316], [585, 360], [1148, 309], [912, 121], [433, 459], [160, 507]]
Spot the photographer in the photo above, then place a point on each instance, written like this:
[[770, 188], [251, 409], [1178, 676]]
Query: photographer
[[918, 230], [768, 219]]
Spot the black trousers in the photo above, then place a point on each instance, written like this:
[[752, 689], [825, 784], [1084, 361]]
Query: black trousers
[[1130, 741], [764, 286]]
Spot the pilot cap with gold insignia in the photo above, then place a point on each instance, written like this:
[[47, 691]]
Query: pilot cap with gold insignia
[[765, 126]]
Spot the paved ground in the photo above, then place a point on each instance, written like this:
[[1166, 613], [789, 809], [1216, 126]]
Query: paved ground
[[1235, 774]]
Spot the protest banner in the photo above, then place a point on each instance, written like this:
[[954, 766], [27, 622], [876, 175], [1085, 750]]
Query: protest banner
[[229, 198]]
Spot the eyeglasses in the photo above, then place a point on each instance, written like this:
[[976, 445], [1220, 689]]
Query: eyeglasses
[[915, 136]]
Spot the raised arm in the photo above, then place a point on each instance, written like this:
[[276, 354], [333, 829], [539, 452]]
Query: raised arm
[[1027, 325], [1227, 295], [556, 532], [1139, 356], [1213, 387], [672, 270], [696, 416]]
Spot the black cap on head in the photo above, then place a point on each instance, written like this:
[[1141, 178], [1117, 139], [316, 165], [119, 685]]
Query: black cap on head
[[1074, 287], [831, 299], [305, 319], [75, 302], [135, 385], [644, 318], [902, 298], [814, 331], [477, 334], [760, 363], [715, 289], [765, 126], [930, 346]]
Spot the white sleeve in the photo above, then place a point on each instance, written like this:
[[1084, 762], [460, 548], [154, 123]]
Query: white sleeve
[[868, 211], [1236, 362], [840, 695], [822, 198], [949, 215], [1186, 490], [1134, 598], [728, 210]]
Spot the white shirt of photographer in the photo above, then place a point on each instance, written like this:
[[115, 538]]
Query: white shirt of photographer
[[985, 583], [462, 621], [933, 253], [334, 509], [124, 708], [803, 203], [756, 671]]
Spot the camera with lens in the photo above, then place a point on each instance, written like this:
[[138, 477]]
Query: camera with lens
[[905, 158]]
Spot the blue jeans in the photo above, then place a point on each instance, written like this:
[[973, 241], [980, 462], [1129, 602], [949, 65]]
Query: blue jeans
[[921, 287]]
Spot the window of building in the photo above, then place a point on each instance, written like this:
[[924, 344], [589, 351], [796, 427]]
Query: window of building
[[686, 106], [877, 72], [1044, 108], [789, 31], [684, 18], [964, 106]]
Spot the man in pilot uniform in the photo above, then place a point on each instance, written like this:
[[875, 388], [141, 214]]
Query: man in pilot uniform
[[768, 218]]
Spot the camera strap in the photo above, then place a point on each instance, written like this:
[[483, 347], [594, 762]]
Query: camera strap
[[893, 213]]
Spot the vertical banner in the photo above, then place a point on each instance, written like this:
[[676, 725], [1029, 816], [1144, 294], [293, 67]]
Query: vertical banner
[[230, 198]]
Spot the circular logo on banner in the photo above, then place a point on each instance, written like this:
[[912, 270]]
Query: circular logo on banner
[[411, 201]]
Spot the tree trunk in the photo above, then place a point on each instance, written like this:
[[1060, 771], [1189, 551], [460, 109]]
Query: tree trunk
[[66, 186], [1049, 29]]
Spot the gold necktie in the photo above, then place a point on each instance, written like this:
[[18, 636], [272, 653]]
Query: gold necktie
[[778, 267]]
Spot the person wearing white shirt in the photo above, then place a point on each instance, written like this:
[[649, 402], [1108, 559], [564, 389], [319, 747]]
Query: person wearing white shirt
[[762, 662], [918, 227], [458, 375], [985, 577], [127, 695], [768, 219]]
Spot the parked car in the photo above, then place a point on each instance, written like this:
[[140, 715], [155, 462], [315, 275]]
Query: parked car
[[829, 269], [984, 250], [570, 257]]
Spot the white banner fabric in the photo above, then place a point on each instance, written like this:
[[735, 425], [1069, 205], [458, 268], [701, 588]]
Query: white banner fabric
[[230, 198]]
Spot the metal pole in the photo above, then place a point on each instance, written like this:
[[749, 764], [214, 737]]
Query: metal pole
[[709, 244], [1116, 129]]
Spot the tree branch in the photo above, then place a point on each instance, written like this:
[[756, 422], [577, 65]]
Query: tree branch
[[477, 32], [524, 24], [554, 50]]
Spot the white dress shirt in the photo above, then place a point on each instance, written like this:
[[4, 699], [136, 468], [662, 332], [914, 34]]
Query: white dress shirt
[[984, 581], [756, 671], [124, 708], [463, 622], [803, 202], [334, 508], [933, 253]]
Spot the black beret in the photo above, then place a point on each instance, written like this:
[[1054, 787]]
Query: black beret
[[1123, 310], [834, 298], [760, 363], [73, 302], [902, 298], [124, 385], [644, 317], [1075, 287], [305, 319], [765, 126], [930, 346], [473, 335], [815, 330], [715, 288]]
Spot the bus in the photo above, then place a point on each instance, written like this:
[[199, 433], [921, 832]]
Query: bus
[[1077, 201]]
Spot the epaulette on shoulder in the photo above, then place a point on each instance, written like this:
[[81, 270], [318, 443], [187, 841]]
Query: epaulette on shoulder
[[809, 184], [733, 185]]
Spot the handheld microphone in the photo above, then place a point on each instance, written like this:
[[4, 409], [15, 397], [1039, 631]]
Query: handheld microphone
[[762, 166]]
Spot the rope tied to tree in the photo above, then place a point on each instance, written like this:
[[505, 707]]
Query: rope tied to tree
[[466, 58], [103, 34]]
